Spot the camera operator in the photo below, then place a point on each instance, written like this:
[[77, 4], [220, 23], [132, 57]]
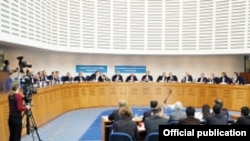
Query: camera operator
[[16, 108]]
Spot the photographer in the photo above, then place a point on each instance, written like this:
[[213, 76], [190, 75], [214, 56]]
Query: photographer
[[15, 112]]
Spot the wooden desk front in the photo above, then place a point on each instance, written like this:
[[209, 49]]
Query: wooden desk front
[[53, 101]]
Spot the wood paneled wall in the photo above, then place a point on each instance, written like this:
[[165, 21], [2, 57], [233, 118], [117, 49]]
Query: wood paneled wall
[[53, 101]]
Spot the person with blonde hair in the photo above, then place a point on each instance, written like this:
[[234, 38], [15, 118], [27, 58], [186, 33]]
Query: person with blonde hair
[[16, 108], [126, 124], [114, 115]]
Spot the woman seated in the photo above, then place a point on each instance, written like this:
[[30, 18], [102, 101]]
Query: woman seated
[[125, 124]]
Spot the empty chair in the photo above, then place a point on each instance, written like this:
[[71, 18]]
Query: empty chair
[[119, 136], [153, 136]]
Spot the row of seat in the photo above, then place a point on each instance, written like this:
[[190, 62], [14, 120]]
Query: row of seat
[[121, 136]]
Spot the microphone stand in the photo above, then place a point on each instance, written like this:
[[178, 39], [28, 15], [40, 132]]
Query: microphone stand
[[170, 92]]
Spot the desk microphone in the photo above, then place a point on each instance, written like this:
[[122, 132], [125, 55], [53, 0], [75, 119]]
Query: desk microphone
[[170, 92]]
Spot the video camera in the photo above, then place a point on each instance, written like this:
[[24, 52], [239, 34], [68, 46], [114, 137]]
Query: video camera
[[26, 81], [22, 64]]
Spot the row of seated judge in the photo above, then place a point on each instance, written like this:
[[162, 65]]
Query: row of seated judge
[[122, 118], [100, 77]]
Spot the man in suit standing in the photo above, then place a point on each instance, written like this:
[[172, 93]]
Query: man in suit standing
[[147, 77]]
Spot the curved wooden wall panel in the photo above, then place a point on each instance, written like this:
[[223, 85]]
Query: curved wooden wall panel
[[50, 102]]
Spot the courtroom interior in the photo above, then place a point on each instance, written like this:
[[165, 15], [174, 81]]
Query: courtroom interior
[[77, 60]]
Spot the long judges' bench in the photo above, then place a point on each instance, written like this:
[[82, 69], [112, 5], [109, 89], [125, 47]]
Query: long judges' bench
[[52, 101]]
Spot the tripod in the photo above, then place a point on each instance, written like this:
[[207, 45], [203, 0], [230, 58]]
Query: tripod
[[31, 125]]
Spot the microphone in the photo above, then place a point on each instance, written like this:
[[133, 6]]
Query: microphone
[[170, 92]]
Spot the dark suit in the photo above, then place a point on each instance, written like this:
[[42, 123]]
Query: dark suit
[[67, 79], [128, 126], [188, 78], [114, 115], [129, 78], [147, 79], [202, 80], [152, 123], [239, 80], [162, 78], [218, 119], [146, 114], [243, 121], [215, 80], [189, 121], [79, 78], [225, 80], [172, 78], [114, 78], [98, 78]]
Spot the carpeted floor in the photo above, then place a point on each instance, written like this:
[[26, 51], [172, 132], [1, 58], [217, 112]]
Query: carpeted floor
[[78, 125], [94, 131]]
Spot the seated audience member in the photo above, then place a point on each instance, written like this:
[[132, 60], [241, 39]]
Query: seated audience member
[[147, 77], [202, 78], [217, 118], [148, 113], [224, 79], [213, 79], [205, 111], [131, 78], [117, 77], [237, 79], [190, 119], [172, 78], [244, 119], [162, 78], [188, 78], [79, 78], [126, 124], [67, 78], [224, 111], [114, 115], [178, 112], [158, 118]]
